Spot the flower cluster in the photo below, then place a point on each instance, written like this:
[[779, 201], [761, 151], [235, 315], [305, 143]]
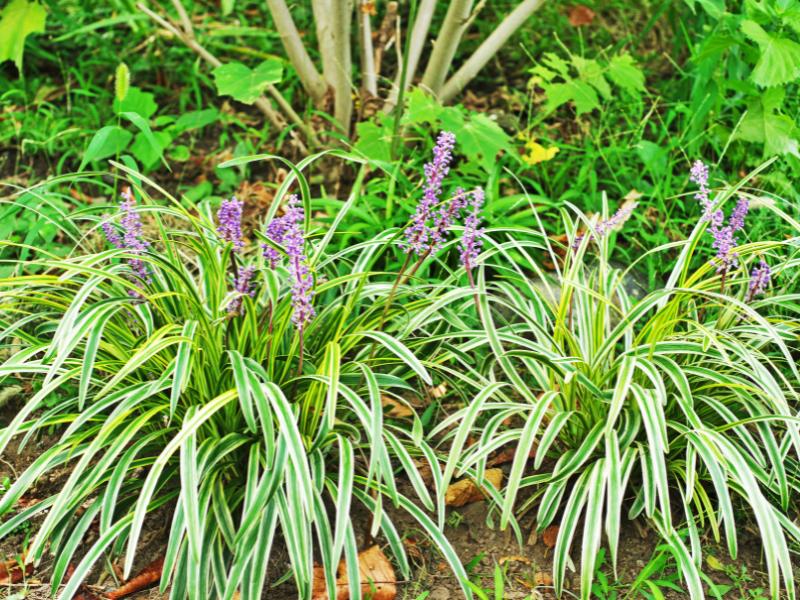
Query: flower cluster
[[429, 226], [229, 216], [471, 241], [288, 230], [243, 287], [132, 239], [760, 278], [420, 235], [724, 235], [603, 227]]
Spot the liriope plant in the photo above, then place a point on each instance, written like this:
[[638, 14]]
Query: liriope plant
[[678, 406], [235, 382]]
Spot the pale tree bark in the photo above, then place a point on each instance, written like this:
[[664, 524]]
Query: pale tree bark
[[342, 14], [323, 19], [488, 49], [369, 76], [444, 49], [416, 43], [312, 81]]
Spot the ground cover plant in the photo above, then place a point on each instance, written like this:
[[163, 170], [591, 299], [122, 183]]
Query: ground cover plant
[[480, 299]]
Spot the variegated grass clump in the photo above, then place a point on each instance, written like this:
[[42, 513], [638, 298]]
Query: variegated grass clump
[[679, 407], [194, 389]]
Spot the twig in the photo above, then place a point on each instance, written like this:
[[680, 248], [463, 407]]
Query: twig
[[489, 48], [312, 81], [369, 77], [455, 22], [262, 103], [184, 17]]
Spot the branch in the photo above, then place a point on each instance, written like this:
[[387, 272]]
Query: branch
[[455, 22], [298, 55], [261, 103], [343, 100], [488, 49], [416, 42], [368, 73]]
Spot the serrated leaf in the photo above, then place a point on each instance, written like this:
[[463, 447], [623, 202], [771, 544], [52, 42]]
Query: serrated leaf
[[579, 92], [374, 141], [108, 141], [479, 138], [243, 83], [556, 63], [623, 71], [136, 101], [17, 21], [591, 72], [777, 132], [779, 62], [422, 108]]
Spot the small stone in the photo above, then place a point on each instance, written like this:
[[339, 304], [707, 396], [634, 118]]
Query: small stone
[[439, 593]]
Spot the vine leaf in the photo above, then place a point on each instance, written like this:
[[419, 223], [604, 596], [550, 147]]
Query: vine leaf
[[17, 21]]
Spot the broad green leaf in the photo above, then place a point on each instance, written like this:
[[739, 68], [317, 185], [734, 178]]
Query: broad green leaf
[[579, 92], [623, 71], [136, 101], [148, 149], [374, 141], [17, 21], [108, 141], [196, 119], [479, 138], [777, 132], [422, 108], [243, 83], [779, 62], [591, 72]]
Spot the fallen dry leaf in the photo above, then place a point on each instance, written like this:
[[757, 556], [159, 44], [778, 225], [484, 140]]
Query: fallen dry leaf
[[514, 558], [550, 535], [438, 391], [376, 574], [11, 571], [580, 15], [394, 408], [542, 578], [148, 576], [466, 491]]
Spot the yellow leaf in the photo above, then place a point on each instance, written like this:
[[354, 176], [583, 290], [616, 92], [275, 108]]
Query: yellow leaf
[[538, 153]]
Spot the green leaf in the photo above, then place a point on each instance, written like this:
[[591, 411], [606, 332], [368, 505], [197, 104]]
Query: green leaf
[[244, 84], [108, 141], [17, 21], [374, 141], [136, 101], [623, 71], [591, 72], [479, 138], [422, 108], [779, 62], [762, 125], [149, 149], [196, 119]]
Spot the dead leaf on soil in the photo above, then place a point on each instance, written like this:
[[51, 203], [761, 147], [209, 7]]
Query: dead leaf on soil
[[466, 491], [148, 576], [514, 558], [11, 572], [580, 15], [550, 535], [542, 578], [394, 408], [438, 391], [376, 574]]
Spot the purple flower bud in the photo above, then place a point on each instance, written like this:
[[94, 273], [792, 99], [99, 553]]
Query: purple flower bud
[[419, 233], [760, 278], [302, 281], [229, 216], [603, 227], [471, 242]]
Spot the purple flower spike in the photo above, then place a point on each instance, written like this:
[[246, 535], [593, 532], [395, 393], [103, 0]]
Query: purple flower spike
[[471, 242], [132, 238], [229, 216], [603, 227], [418, 234], [760, 278], [243, 287], [276, 230], [302, 281], [724, 235]]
